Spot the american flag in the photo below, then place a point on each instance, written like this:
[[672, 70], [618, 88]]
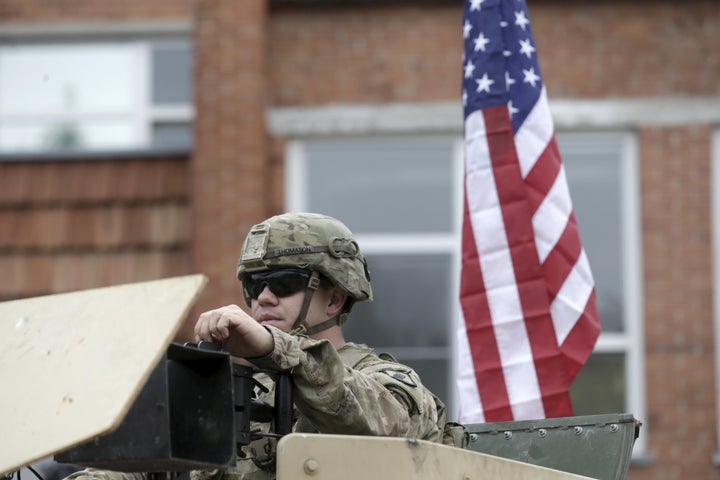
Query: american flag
[[529, 317]]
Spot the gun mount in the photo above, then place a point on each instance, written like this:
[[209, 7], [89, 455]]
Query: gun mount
[[194, 411]]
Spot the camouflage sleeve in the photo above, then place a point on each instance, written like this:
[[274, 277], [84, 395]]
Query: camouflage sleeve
[[338, 399], [95, 474]]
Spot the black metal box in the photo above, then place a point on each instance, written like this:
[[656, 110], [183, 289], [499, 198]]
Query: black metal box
[[183, 419]]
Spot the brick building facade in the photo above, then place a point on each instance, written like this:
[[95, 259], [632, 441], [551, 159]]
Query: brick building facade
[[264, 71]]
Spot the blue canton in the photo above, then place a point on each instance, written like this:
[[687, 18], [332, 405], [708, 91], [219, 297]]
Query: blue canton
[[500, 65]]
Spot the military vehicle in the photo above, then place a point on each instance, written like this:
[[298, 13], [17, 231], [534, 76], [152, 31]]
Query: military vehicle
[[104, 386]]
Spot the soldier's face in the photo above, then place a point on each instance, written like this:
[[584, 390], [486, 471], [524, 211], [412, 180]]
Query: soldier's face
[[281, 312]]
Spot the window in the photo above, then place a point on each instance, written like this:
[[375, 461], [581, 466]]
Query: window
[[402, 196], [715, 159], [95, 95], [601, 173]]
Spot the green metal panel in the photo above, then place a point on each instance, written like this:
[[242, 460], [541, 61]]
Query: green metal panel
[[597, 446]]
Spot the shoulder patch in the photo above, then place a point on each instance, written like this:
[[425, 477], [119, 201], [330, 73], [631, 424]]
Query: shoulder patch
[[400, 376], [400, 380]]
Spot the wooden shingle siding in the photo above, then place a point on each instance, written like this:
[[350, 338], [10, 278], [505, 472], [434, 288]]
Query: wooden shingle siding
[[74, 225], [105, 227], [92, 181]]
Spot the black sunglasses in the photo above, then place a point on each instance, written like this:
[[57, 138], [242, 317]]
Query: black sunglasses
[[280, 282]]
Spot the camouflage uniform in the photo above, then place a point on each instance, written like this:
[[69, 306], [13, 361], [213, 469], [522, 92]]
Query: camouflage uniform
[[353, 391], [350, 391]]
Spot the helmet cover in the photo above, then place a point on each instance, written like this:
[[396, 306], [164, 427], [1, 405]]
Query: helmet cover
[[311, 241]]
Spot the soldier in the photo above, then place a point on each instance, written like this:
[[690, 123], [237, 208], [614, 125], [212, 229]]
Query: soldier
[[301, 274]]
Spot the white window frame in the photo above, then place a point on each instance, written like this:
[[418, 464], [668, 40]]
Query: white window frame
[[630, 342], [406, 244], [140, 37], [715, 219], [634, 313]]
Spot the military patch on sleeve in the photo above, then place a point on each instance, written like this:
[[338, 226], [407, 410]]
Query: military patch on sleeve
[[400, 376]]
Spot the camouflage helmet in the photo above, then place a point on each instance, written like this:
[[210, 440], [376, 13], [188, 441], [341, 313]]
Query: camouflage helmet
[[311, 241]]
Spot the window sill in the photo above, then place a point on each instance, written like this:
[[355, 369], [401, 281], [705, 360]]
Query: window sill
[[73, 155]]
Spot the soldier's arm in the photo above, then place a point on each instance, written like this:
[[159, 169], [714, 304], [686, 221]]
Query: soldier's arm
[[337, 399], [96, 474]]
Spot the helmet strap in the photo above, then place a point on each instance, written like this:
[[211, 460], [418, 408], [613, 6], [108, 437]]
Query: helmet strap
[[329, 323], [300, 327]]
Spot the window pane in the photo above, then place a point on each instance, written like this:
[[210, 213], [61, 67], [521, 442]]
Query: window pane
[[383, 185], [411, 305], [75, 79], [89, 135], [600, 385], [593, 168], [96, 95], [172, 75], [410, 315], [172, 135]]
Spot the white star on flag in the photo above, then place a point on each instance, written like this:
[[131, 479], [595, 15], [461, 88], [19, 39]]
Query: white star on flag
[[526, 48], [484, 83], [521, 20], [530, 76], [469, 69], [475, 5], [508, 80], [467, 27], [480, 42]]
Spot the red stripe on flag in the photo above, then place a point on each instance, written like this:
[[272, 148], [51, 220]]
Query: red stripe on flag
[[560, 262], [562, 258], [541, 177], [579, 343], [513, 197], [478, 323]]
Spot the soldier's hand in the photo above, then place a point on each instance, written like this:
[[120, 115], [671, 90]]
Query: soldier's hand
[[235, 331]]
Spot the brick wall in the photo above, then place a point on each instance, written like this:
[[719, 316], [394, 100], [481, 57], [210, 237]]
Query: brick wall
[[231, 178], [679, 332], [618, 48], [402, 53], [392, 52]]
